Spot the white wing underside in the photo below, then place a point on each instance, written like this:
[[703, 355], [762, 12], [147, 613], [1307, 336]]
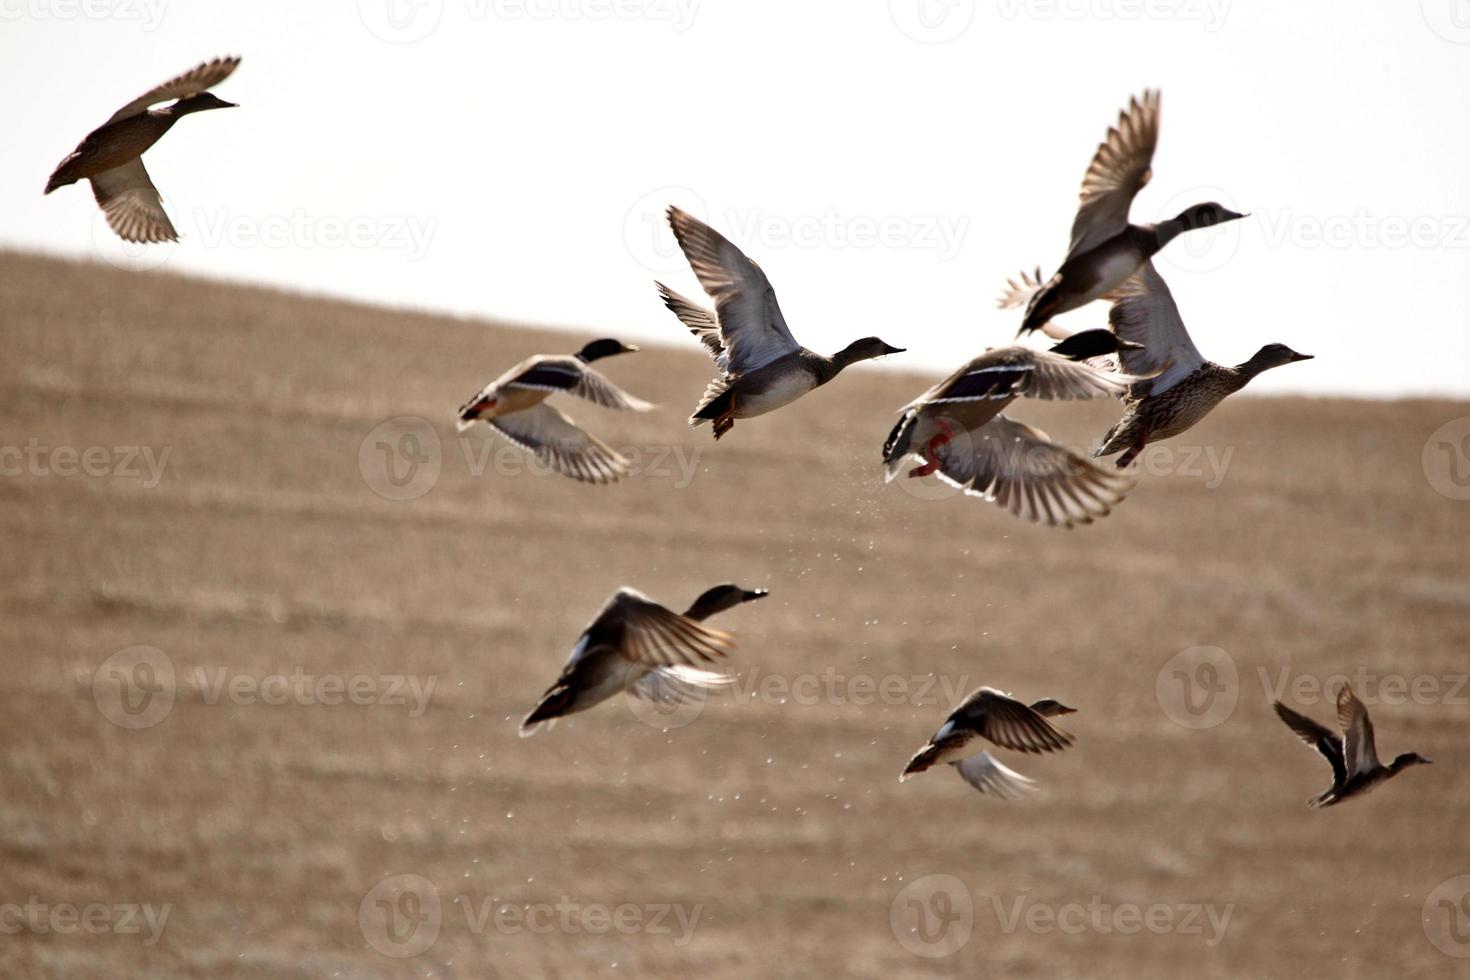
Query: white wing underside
[[986, 774]]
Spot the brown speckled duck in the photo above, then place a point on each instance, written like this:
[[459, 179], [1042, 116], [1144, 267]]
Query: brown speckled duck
[[111, 156], [1187, 387]]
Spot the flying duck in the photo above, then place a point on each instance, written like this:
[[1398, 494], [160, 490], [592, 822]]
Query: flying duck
[[514, 406], [1352, 755], [1184, 387], [762, 367], [112, 155], [999, 718], [1105, 247], [957, 429], [637, 645]]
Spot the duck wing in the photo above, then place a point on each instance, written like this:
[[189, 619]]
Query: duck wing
[[703, 323], [1319, 737], [191, 82], [658, 637], [986, 774], [1119, 170], [679, 684], [1009, 723], [132, 205], [1144, 312], [1021, 469], [1360, 754], [752, 329], [558, 442], [547, 372]]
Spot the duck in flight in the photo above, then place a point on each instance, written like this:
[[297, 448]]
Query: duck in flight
[[995, 717], [1181, 387], [514, 406], [762, 367], [1352, 755], [111, 156], [956, 428], [1106, 248], [636, 645]]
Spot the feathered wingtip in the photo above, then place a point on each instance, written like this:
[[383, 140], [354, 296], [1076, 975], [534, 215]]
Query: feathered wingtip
[[1018, 294]]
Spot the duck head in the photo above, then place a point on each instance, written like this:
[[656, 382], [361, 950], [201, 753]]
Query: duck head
[[1408, 759], [199, 103], [606, 347], [1194, 217], [1051, 708], [1093, 343], [1271, 356], [864, 350], [722, 597]]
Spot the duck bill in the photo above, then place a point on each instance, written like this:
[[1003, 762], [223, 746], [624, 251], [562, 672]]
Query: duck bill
[[1301, 357]]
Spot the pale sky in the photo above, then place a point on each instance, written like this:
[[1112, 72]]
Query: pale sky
[[888, 162]]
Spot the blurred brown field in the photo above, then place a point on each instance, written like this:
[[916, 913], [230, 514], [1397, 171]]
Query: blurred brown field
[[772, 830]]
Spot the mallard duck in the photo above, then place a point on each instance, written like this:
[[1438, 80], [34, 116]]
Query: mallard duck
[[513, 405], [1185, 387], [762, 367], [957, 429], [1352, 755], [636, 645], [999, 718], [112, 155], [1105, 247]]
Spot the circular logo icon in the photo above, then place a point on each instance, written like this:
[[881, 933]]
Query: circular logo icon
[[660, 700], [401, 458], [1446, 459], [1450, 19], [646, 228], [133, 256], [134, 688], [932, 21], [1204, 249], [401, 916], [933, 916], [1198, 687], [400, 21], [1447, 917]]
